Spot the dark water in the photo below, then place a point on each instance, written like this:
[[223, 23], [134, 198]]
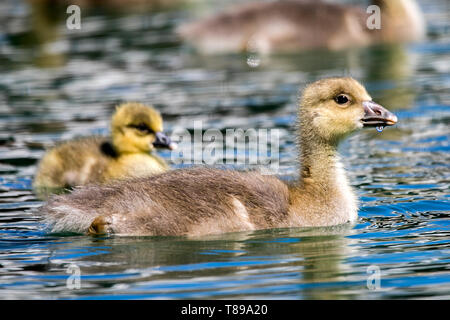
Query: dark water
[[57, 84]]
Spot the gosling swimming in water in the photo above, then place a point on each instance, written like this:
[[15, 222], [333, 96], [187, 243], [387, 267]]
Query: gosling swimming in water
[[279, 26], [136, 130], [203, 201]]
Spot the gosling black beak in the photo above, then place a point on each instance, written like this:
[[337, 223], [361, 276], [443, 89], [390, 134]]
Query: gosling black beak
[[163, 141], [375, 115]]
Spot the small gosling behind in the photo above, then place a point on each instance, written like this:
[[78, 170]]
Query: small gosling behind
[[136, 130]]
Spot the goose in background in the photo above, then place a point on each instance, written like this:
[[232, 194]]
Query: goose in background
[[293, 25]]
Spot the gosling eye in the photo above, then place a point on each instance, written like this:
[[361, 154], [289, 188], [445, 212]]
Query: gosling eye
[[341, 99], [142, 127]]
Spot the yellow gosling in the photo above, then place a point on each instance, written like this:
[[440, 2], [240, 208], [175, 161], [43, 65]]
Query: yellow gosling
[[136, 130]]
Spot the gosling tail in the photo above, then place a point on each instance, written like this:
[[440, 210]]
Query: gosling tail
[[67, 213]]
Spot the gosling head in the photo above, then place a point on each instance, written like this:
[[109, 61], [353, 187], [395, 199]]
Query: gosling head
[[137, 128], [336, 107]]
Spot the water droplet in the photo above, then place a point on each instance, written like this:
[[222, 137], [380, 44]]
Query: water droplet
[[253, 61], [253, 58], [380, 128]]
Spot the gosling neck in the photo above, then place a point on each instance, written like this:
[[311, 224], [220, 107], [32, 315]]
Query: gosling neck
[[124, 145], [319, 161], [322, 195]]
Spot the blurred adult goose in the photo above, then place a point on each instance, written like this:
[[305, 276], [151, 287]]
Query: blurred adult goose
[[136, 130], [203, 201], [300, 24]]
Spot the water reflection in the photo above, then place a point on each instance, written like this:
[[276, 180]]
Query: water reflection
[[45, 35], [298, 260]]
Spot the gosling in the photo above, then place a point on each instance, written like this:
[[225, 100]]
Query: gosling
[[281, 26], [136, 130], [200, 201]]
